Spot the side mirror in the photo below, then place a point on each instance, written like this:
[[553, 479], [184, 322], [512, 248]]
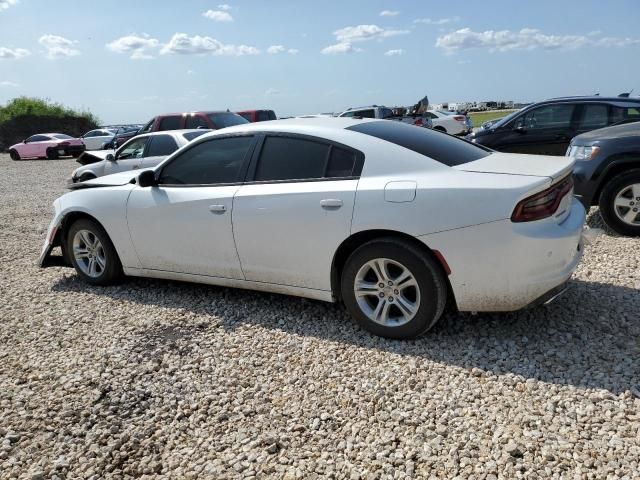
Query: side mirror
[[110, 157], [24, 141], [520, 129], [147, 179]]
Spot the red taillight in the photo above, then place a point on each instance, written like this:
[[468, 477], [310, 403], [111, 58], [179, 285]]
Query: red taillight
[[459, 118], [543, 204], [418, 122]]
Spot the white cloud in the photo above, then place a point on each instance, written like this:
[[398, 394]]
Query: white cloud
[[271, 92], [525, 39], [224, 6], [338, 48], [361, 33], [13, 53], [273, 49], [293, 51], [4, 4], [183, 44], [440, 21], [7, 83], [58, 47], [218, 15], [391, 53], [389, 13], [190, 72], [137, 45]]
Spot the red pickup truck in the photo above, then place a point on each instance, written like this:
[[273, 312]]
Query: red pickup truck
[[188, 120], [258, 115]]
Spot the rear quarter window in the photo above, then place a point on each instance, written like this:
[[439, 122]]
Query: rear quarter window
[[441, 147]]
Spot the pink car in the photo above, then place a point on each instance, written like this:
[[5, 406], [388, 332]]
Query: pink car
[[47, 145]]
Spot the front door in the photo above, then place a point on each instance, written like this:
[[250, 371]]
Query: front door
[[184, 224], [128, 157]]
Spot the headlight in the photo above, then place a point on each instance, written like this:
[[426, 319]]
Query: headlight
[[582, 153]]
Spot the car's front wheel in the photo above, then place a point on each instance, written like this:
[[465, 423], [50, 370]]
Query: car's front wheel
[[620, 203], [14, 155], [393, 289], [92, 253]]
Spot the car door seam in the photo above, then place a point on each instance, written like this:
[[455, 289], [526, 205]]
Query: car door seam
[[233, 232]]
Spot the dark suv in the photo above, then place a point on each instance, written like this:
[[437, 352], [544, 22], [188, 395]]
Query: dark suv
[[607, 173], [546, 128], [188, 120]]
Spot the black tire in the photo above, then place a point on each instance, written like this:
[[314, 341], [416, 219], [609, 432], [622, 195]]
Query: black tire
[[112, 272], [440, 129], [52, 154], [86, 176], [76, 154], [426, 271], [14, 155], [607, 198]]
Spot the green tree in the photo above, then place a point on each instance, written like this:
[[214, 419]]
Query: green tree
[[40, 107]]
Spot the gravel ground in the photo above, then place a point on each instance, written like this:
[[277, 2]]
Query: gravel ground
[[155, 378]]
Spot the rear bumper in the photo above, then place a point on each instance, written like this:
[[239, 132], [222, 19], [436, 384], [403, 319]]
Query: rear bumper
[[505, 266]]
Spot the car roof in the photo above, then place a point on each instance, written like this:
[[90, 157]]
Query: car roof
[[592, 98], [203, 112], [366, 106]]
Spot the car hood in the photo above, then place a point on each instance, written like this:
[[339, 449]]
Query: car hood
[[615, 132], [93, 156], [113, 180], [519, 164]]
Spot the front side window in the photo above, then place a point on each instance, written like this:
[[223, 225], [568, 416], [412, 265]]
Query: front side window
[[196, 121], [548, 116], [162, 145], [284, 158], [133, 149], [625, 114], [347, 114], [211, 162], [226, 119], [594, 116], [38, 138], [170, 123]]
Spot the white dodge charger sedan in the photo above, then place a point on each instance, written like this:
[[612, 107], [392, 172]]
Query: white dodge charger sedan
[[394, 221]]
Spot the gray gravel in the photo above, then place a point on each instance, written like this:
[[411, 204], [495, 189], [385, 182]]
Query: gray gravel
[[155, 378]]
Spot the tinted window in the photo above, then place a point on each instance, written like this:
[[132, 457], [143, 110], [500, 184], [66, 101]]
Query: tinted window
[[62, 136], [284, 158], [147, 127], [226, 119], [246, 115], [272, 115], [365, 114], [621, 114], [91, 134], [133, 149], [170, 123], [38, 138], [263, 116], [341, 162], [195, 121], [443, 148], [161, 145], [386, 113], [191, 135], [209, 162], [594, 116], [348, 114], [548, 116]]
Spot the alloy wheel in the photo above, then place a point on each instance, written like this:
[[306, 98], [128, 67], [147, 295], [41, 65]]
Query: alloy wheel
[[627, 204], [89, 253]]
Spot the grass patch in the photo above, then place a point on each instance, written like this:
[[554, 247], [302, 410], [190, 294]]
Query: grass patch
[[478, 118]]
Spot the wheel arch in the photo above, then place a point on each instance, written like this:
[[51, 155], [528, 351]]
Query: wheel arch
[[65, 224], [617, 165], [356, 240]]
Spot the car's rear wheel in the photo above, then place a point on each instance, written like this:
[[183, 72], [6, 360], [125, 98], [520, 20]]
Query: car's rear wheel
[[393, 289], [76, 154], [92, 253], [52, 153], [620, 203], [14, 154]]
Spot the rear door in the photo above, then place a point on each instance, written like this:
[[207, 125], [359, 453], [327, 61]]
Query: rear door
[[544, 130], [592, 116], [158, 148], [295, 210]]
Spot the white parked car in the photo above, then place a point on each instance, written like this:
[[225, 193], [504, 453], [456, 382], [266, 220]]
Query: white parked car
[[449, 122], [385, 113], [395, 221], [98, 139], [143, 151]]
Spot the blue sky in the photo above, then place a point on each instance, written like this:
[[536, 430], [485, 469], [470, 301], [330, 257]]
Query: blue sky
[[129, 60]]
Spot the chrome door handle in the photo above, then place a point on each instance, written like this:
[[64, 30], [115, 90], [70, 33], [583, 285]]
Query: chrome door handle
[[217, 208], [331, 203]]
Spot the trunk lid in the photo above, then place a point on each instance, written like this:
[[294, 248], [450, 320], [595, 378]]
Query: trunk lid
[[520, 164]]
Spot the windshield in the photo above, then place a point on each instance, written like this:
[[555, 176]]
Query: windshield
[[506, 119], [62, 136], [226, 119]]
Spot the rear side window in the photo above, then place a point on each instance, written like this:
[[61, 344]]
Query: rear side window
[[445, 149], [170, 123], [625, 114], [594, 116], [285, 158], [365, 114], [191, 135], [161, 145], [210, 162], [263, 116], [196, 121], [226, 119], [341, 162]]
